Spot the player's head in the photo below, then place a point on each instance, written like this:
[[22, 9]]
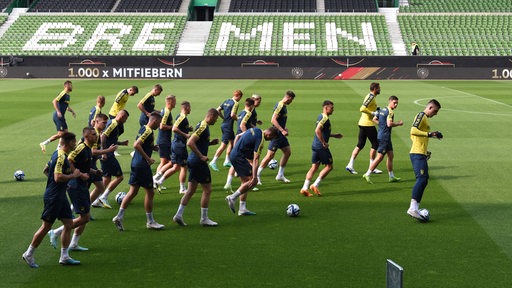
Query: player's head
[[433, 106], [155, 119], [157, 89], [100, 101], [100, 121], [237, 95], [375, 88], [133, 90], [249, 104], [68, 86], [211, 116], [170, 101], [392, 101], [257, 100], [185, 107], [288, 97], [90, 135], [122, 116], [270, 133], [68, 141], [328, 107]]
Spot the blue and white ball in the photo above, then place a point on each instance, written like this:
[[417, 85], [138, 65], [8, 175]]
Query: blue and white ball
[[119, 197], [272, 164], [19, 175], [293, 210], [425, 214]]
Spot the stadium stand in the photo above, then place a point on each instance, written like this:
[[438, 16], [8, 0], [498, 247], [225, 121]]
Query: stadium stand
[[443, 6], [272, 6], [73, 6], [459, 35], [351, 6], [4, 4], [149, 6], [298, 35], [93, 34]]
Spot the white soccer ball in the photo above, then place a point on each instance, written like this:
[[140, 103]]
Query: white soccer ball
[[19, 175], [272, 164], [425, 214], [119, 197], [293, 210]]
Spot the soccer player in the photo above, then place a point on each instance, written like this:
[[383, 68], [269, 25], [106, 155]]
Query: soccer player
[[279, 118], [164, 138], [56, 203], [179, 153], [141, 175], [253, 120], [61, 105], [420, 132], [97, 179], [100, 102], [78, 189], [245, 158], [230, 109], [199, 173], [321, 152], [243, 124], [367, 128], [147, 104], [120, 103], [385, 118], [109, 164]]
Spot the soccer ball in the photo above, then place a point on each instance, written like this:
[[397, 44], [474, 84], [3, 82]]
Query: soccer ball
[[425, 213], [272, 164], [19, 175], [293, 210], [119, 197]]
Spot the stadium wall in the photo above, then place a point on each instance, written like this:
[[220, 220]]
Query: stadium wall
[[335, 68]]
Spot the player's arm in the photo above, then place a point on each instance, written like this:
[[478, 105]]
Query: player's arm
[[58, 174], [318, 132], [55, 104], [164, 126], [176, 128], [234, 110], [138, 146], [276, 124], [191, 143], [72, 111], [390, 123], [219, 109]]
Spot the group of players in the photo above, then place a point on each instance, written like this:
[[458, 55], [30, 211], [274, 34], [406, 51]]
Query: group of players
[[73, 167]]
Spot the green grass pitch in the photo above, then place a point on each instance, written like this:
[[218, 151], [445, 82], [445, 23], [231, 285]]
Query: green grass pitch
[[340, 240]]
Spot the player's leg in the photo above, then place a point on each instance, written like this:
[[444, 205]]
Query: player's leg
[[227, 162], [178, 217], [389, 166], [271, 152], [38, 237], [372, 136], [287, 152], [65, 240], [309, 175], [205, 201], [361, 142], [420, 167], [325, 158], [229, 180], [148, 206]]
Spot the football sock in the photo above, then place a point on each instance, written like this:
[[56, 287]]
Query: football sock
[[181, 209], [235, 195], [31, 250], [368, 172], [120, 214], [306, 184], [183, 186], [105, 194], [391, 174], [242, 205], [64, 253], [414, 204], [351, 162], [150, 218], [317, 181], [74, 240], [280, 173], [58, 231], [229, 179], [214, 160], [204, 213], [227, 159]]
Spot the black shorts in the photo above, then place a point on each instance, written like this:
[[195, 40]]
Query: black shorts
[[164, 150], [80, 199], [179, 155], [385, 145], [278, 143], [322, 156], [141, 176], [228, 134], [241, 165], [199, 171], [60, 123], [111, 167], [56, 208], [370, 133]]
